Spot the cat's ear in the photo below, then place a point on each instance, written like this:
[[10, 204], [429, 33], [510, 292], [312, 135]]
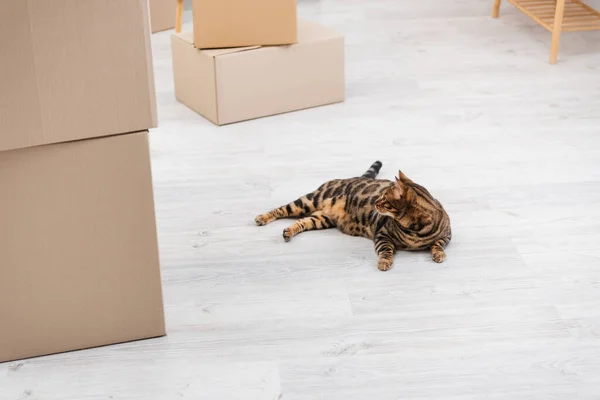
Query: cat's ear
[[399, 189], [402, 190], [403, 177]]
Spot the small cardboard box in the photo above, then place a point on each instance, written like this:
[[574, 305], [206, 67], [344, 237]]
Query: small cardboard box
[[79, 260], [73, 70], [231, 85], [235, 23], [162, 15]]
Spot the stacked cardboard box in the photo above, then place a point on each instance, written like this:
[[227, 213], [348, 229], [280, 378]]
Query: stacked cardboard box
[[78, 248], [247, 60], [162, 15]]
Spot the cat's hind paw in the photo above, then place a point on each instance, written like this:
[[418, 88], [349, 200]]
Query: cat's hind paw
[[287, 234], [262, 219]]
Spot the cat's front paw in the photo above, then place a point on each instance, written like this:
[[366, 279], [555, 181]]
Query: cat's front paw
[[438, 256], [287, 234], [384, 265]]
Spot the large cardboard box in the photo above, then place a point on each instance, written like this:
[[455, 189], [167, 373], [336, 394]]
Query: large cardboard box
[[78, 247], [74, 69], [234, 23], [162, 15], [231, 85]]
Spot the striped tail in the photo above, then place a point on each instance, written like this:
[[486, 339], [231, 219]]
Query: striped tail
[[373, 171]]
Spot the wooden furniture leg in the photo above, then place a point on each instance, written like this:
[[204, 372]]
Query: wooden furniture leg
[[556, 29], [178, 16], [496, 11]]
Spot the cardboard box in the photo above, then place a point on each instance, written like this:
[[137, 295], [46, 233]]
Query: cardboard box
[[74, 69], [162, 15], [231, 85], [78, 261], [235, 23]]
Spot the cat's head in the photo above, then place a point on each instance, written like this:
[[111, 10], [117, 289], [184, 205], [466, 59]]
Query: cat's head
[[397, 199]]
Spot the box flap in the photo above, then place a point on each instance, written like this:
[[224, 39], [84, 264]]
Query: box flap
[[188, 37], [222, 52], [308, 32]]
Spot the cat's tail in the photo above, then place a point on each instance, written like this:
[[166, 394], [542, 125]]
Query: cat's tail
[[373, 171]]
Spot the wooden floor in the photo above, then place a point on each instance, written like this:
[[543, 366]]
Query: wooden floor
[[466, 106]]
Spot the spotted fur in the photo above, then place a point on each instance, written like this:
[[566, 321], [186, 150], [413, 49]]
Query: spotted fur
[[400, 215]]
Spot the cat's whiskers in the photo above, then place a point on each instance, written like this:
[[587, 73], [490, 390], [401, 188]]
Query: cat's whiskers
[[373, 217], [386, 213]]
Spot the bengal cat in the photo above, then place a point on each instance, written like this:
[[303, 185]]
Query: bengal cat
[[400, 215]]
